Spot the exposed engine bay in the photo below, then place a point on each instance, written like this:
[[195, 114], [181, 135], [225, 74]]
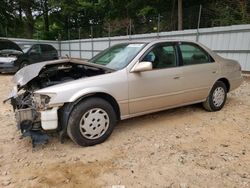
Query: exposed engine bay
[[29, 108], [56, 74], [52, 75]]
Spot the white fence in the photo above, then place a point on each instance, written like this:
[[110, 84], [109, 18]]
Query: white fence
[[230, 42]]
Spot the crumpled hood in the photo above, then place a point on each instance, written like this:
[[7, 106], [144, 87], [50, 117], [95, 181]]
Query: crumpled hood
[[7, 59], [26, 74]]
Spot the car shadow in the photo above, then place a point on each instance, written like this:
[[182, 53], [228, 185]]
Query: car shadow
[[153, 117], [7, 74]]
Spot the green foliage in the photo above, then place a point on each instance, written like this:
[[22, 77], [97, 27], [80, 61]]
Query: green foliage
[[71, 19]]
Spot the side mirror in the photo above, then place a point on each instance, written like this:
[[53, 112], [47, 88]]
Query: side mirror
[[142, 66]]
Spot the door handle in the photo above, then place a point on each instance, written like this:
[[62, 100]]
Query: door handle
[[177, 77], [215, 71]]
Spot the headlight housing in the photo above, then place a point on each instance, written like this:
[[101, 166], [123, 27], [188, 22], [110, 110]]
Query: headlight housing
[[42, 101]]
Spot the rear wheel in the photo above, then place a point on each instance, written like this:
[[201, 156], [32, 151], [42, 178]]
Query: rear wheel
[[217, 97], [91, 122]]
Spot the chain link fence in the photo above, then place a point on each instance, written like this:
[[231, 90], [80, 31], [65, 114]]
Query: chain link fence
[[231, 42], [167, 21]]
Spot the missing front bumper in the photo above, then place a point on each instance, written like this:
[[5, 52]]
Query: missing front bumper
[[23, 116], [34, 124], [47, 118]]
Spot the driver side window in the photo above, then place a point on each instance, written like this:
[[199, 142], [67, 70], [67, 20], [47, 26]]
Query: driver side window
[[162, 56]]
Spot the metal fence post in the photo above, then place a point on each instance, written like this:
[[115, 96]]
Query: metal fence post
[[69, 43], [158, 25], [109, 36], [130, 28], [59, 45], [198, 25], [80, 45], [92, 45]]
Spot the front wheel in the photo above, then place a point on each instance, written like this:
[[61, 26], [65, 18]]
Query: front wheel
[[217, 97], [91, 122]]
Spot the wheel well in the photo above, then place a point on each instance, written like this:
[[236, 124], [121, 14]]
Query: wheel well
[[23, 61], [226, 82], [109, 99]]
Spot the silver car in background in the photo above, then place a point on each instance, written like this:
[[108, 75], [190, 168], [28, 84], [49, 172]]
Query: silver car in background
[[85, 100]]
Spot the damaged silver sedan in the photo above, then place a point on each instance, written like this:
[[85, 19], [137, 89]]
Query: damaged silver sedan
[[85, 100]]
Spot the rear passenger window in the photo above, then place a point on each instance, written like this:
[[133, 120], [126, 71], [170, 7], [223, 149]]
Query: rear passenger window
[[44, 48], [51, 48], [192, 54], [47, 48]]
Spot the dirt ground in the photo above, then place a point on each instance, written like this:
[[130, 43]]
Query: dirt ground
[[183, 147]]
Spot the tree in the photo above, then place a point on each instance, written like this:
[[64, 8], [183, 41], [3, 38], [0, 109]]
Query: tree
[[27, 7], [52, 19]]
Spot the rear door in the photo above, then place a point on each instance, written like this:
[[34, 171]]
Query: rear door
[[200, 71]]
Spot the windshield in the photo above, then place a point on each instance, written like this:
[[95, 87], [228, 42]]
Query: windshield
[[118, 56]]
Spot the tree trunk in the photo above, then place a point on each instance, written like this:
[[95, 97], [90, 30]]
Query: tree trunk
[[179, 14], [20, 10], [27, 8], [45, 15]]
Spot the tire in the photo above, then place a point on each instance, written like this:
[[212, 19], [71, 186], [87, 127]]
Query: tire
[[213, 102], [91, 122], [23, 64]]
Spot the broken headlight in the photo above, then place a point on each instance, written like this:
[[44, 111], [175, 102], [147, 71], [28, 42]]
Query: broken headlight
[[41, 101]]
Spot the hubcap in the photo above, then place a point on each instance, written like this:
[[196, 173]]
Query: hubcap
[[218, 96], [94, 123]]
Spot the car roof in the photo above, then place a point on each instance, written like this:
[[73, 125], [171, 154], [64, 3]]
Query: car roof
[[42, 44], [155, 41]]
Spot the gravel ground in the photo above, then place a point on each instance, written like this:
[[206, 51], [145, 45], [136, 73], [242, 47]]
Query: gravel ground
[[183, 147]]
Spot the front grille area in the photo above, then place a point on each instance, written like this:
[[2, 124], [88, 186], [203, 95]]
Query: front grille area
[[26, 114]]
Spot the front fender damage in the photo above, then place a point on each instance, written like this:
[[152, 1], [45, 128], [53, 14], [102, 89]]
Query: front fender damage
[[36, 115], [34, 123]]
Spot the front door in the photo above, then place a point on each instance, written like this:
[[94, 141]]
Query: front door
[[160, 87]]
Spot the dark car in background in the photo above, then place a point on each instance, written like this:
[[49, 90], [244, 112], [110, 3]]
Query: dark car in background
[[14, 57]]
